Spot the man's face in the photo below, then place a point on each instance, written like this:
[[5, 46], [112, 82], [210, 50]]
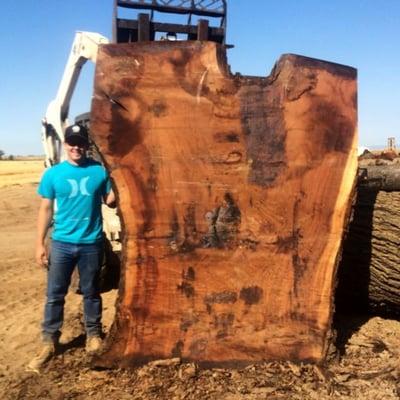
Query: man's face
[[76, 149]]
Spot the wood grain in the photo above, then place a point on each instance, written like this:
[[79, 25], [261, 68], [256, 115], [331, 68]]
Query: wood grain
[[369, 275], [233, 193]]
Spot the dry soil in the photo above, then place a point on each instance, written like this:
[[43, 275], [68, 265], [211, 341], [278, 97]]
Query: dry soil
[[366, 365]]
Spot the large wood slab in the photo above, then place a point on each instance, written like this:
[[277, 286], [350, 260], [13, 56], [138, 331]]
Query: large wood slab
[[233, 193]]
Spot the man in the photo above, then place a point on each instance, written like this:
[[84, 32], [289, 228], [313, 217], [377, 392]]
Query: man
[[72, 193]]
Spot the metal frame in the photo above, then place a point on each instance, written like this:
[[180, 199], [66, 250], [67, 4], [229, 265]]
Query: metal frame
[[209, 8], [144, 27]]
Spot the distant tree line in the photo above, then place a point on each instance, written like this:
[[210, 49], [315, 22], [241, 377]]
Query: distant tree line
[[2, 156]]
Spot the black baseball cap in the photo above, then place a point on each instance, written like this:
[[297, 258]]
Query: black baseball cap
[[76, 134]]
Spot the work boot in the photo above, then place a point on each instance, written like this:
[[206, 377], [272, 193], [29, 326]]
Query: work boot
[[93, 344], [45, 355]]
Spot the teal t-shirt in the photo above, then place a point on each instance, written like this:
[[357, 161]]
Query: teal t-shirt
[[78, 191]]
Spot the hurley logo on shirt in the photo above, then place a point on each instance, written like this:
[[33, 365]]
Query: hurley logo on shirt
[[78, 187]]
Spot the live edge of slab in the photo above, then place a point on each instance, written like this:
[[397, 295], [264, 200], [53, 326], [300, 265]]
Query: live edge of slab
[[234, 194]]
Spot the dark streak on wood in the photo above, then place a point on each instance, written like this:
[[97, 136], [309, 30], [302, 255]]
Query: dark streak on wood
[[228, 190]]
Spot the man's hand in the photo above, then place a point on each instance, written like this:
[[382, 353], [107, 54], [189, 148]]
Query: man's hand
[[41, 256], [44, 219], [110, 200]]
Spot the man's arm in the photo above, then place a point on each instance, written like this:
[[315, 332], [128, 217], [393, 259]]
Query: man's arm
[[109, 199], [45, 216]]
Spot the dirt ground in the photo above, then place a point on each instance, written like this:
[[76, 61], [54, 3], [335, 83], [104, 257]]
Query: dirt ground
[[366, 365]]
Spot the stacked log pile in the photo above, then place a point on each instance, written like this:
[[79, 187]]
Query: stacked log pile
[[233, 194]]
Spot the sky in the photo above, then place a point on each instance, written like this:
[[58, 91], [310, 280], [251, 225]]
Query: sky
[[36, 38]]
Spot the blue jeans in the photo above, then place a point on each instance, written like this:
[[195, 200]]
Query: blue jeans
[[63, 259]]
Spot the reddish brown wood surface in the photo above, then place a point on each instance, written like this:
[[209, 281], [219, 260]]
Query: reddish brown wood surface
[[233, 193]]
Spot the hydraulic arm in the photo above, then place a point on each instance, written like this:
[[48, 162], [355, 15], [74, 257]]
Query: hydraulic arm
[[84, 47]]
